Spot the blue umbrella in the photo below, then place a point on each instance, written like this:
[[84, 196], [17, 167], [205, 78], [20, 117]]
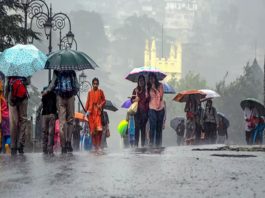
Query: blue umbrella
[[168, 89], [22, 60]]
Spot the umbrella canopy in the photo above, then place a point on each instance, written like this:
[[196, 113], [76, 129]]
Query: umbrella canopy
[[122, 127], [168, 89], [252, 102], [184, 95], [209, 94], [224, 118], [22, 60], [136, 72], [69, 59], [110, 106], [127, 104], [175, 122], [81, 117]]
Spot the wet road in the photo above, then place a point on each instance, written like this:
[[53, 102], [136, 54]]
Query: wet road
[[176, 172]]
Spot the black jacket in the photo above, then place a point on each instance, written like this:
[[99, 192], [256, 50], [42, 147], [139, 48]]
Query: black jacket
[[49, 104]]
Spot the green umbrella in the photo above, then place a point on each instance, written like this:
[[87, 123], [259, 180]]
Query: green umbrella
[[122, 127], [69, 59], [252, 102]]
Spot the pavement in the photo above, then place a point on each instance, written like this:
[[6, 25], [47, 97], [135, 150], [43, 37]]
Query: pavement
[[185, 171]]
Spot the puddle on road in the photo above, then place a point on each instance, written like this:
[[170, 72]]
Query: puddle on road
[[233, 148], [233, 155]]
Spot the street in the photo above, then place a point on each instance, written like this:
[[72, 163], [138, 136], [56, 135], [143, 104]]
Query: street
[[173, 172]]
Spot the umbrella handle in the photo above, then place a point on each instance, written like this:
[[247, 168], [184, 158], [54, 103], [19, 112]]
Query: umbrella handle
[[81, 102]]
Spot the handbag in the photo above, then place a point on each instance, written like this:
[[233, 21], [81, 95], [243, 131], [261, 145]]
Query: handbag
[[133, 108]]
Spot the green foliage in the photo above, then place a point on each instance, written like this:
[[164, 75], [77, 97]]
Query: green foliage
[[11, 25], [249, 84]]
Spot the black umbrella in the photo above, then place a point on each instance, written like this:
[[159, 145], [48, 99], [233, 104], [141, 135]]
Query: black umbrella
[[68, 59], [110, 106], [224, 118], [176, 121], [252, 102]]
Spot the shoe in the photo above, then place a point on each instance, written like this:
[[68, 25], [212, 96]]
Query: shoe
[[21, 150], [69, 147], [64, 151], [13, 151]]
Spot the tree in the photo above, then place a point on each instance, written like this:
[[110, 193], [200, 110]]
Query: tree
[[249, 84], [129, 39], [11, 25]]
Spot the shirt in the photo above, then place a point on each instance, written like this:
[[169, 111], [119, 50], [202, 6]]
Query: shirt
[[156, 98], [143, 104]]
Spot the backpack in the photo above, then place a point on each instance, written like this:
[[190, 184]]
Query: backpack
[[18, 89], [65, 86]]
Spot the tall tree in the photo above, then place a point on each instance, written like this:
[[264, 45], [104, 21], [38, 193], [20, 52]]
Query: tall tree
[[11, 25]]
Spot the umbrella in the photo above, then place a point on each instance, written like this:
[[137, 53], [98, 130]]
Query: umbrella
[[175, 122], [122, 127], [224, 118], [168, 89], [80, 116], [136, 72], [69, 59], [110, 106], [184, 95], [209, 94], [22, 60], [252, 102], [127, 104]]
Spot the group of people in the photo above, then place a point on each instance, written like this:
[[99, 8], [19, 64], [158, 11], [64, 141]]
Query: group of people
[[57, 103], [203, 125], [147, 122]]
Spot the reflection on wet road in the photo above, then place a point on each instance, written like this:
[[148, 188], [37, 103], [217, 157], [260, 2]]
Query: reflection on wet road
[[170, 172]]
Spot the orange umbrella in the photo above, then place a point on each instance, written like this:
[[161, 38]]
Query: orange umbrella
[[183, 96], [81, 117]]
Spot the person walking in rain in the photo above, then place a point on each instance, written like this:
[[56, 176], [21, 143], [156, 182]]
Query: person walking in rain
[[180, 130], [210, 123], [140, 95], [17, 97], [94, 106], [106, 131], [49, 114], [198, 123], [250, 114], [4, 120], [191, 110], [64, 83], [156, 109], [76, 134]]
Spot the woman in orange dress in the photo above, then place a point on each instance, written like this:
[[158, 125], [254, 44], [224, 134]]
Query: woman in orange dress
[[94, 106]]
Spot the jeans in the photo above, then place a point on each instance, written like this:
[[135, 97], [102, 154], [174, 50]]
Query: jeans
[[156, 119], [140, 126]]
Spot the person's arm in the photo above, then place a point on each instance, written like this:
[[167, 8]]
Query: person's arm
[[87, 102], [134, 96], [52, 84], [103, 102]]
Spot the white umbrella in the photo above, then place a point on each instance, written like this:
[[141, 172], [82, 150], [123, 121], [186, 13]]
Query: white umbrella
[[209, 94]]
